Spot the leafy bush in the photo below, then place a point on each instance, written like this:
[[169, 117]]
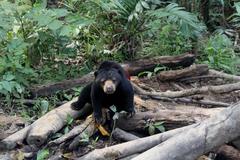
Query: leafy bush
[[235, 18], [219, 54], [28, 35], [167, 41], [188, 23]]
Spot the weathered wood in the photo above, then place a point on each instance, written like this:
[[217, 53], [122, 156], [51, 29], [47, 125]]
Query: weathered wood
[[132, 147], [72, 133], [48, 89], [228, 152], [13, 140], [89, 131], [122, 135], [52, 122], [224, 75], [189, 92], [193, 101], [194, 70], [38, 132], [149, 64], [172, 118], [196, 141], [133, 68]]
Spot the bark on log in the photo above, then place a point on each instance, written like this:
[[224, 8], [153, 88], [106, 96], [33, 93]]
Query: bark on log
[[189, 92], [89, 131], [172, 118], [122, 135], [224, 75], [52, 122], [204, 137], [48, 89], [74, 132], [228, 152], [129, 157], [194, 70], [132, 147], [38, 132], [133, 68], [193, 101], [13, 140]]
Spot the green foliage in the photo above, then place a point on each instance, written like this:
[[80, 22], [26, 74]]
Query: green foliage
[[149, 74], [41, 107], [219, 54], [236, 16], [30, 34], [152, 127], [187, 22], [43, 154], [168, 40], [84, 138]]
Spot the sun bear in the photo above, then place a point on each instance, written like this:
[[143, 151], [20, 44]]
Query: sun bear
[[110, 87]]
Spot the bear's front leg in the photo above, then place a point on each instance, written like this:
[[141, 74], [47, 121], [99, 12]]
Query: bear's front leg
[[128, 99], [84, 97], [97, 108]]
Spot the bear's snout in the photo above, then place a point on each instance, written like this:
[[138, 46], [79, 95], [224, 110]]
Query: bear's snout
[[109, 87]]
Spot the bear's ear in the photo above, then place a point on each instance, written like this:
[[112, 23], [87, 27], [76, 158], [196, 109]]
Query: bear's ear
[[95, 73]]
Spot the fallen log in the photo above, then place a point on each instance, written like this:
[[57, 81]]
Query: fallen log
[[172, 118], [204, 102], [194, 70], [48, 89], [129, 157], [200, 139], [72, 133], [13, 140], [88, 131], [132, 147], [189, 92], [133, 68], [38, 132], [193, 101], [224, 75], [122, 135], [52, 122], [197, 78], [227, 152]]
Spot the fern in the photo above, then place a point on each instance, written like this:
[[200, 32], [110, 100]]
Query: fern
[[172, 13], [236, 16]]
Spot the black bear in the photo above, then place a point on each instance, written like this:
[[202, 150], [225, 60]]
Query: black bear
[[110, 87]]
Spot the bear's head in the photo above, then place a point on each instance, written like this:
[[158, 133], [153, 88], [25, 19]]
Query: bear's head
[[108, 79]]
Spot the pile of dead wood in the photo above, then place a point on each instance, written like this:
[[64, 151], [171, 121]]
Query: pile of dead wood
[[191, 131]]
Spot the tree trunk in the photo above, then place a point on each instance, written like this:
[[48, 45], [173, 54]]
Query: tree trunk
[[196, 141], [194, 70]]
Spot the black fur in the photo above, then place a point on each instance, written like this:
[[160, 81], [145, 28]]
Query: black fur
[[93, 93]]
